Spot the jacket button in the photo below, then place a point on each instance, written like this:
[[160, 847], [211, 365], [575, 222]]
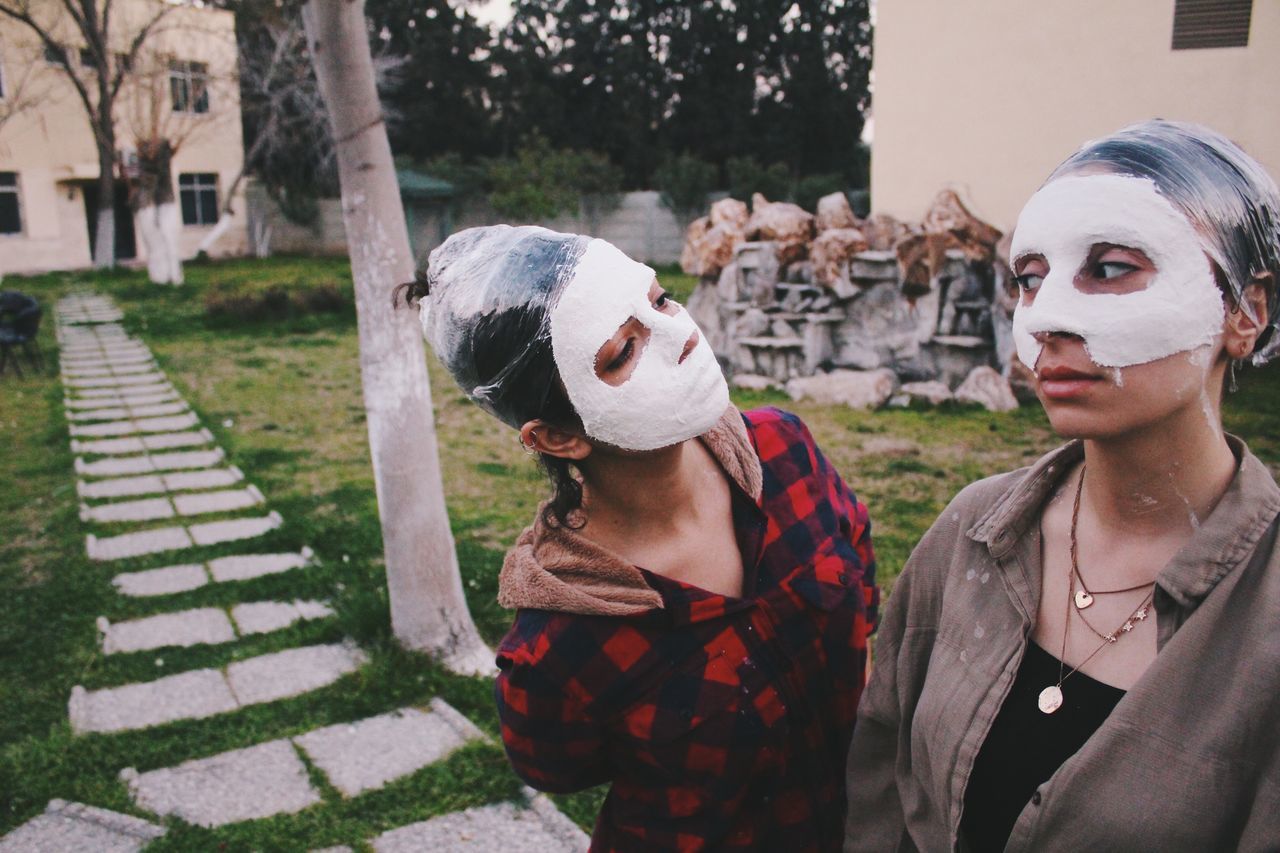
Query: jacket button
[[842, 579], [1036, 798]]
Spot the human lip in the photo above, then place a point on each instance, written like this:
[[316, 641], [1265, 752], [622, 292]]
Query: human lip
[[1060, 382]]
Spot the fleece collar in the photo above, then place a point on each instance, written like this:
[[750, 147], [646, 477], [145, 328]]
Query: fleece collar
[[555, 568]]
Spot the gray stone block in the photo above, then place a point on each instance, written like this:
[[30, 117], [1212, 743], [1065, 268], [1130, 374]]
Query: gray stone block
[[369, 753], [244, 784], [214, 532], [185, 696], [68, 826], [120, 487], [202, 479], [199, 626], [226, 500], [154, 388], [87, 403], [246, 566], [499, 827], [135, 425], [163, 581], [137, 544], [170, 440], [147, 463], [289, 673], [116, 381], [146, 509], [119, 412], [263, 617]]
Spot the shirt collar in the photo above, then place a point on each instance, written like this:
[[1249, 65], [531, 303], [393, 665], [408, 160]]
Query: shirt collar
[[1226, 537]]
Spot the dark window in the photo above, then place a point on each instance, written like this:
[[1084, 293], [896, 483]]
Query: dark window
[[124, 62], [188, 84], [1211, 23], [198, 194], [55, 54], [10, 215], [86, 59]]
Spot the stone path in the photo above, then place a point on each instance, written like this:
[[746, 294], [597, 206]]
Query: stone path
[[142, 456]]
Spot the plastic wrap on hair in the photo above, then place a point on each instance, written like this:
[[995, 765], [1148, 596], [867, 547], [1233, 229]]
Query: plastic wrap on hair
[[487, 315], [1223, 192]]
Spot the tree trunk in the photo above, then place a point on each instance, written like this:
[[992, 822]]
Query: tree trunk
[[428, 610], [104, 229], [155, 213]]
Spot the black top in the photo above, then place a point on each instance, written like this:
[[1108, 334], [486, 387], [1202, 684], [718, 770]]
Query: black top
[[1025, 746]]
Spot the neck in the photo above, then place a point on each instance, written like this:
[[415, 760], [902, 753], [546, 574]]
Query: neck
[[1161, 480], [641, 491]]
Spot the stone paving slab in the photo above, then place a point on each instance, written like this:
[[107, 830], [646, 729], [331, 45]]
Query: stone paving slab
[[137, 390], [128, 427], [122, 412], [247, 566], [161, 539], [180, 460], [106, 369], [143, 443], [146, 509], [213, 532], [263, 617], [68, 826], [199, 626], [81, 404], [190, 695], [167, 580], [147, 484], [245, 784], [137, 544], [116, 381], [225, 500], [369, 753], [294, 671], [503, 827], [140, 356]]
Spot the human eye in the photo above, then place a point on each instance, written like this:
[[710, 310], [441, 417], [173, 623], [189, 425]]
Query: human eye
[[622, 357], [1028, 281], [1113, 269], [662, 301]]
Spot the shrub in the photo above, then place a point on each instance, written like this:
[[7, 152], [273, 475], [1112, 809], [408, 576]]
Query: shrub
[[258, 300], [810, 188], [541, 182], [685, 182], [747, 176]]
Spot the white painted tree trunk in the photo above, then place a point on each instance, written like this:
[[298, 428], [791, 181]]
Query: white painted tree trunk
[[104, 238], [160, 228], [428, 610], [225, 220]]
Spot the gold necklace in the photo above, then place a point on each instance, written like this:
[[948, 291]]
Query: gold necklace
[[1050, 698], [1083, 597]]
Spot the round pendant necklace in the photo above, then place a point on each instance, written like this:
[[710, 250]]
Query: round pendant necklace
[[1083, 597], [1050, 698]]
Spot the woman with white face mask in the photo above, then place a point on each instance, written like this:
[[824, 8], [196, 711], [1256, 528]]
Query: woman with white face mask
[[693, 603], [1084, 654]]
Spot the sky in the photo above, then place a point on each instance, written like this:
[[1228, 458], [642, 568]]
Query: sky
[[492, 11]]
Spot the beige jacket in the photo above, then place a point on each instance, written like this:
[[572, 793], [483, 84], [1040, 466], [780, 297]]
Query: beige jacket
[[1190, 758]]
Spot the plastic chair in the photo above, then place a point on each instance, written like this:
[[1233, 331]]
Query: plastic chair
[[19, 323]]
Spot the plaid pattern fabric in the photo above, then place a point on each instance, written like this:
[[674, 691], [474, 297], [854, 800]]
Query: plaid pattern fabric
[[722, 723]]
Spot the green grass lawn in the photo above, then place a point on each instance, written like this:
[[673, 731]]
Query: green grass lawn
[[281, 392]]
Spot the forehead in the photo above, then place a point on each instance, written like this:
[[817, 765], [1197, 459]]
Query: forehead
[[606, 290], [1076, 211]]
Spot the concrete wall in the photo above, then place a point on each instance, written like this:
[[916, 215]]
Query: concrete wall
[[639, 226], [988, 97], [50, 146]]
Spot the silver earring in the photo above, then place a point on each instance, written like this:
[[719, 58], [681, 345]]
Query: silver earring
[[1231, 376], [529, 449]]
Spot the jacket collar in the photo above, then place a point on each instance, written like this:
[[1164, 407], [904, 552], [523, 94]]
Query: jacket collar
[[551, 567], [1220, 543]]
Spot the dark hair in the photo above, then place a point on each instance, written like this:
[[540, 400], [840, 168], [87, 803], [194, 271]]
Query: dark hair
[[1222, 191], [501, 355]]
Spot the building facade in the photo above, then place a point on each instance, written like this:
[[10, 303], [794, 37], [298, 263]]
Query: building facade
[[180, 86], [986, 98]]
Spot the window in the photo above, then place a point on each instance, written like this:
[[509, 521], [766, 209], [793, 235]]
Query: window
[[198, 193], [124, 62], [1211, 23], [188, 83], [86, 59], [55, 54], [10, 215]]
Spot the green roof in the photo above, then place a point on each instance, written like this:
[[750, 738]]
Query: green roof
[[421, 185]]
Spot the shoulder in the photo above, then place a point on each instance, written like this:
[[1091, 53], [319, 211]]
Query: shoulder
[[772, 422]]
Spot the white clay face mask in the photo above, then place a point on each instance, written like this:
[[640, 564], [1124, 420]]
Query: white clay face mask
[[1181, 308], [664, 401]]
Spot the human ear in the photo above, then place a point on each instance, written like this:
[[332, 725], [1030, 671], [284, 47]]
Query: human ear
[[1245, 323], [541, 437]]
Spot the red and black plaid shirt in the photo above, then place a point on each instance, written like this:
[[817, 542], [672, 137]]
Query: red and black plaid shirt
[[722, 723]]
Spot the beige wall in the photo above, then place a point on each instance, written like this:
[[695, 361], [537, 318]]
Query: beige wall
[[987, 97], [50, 145]]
